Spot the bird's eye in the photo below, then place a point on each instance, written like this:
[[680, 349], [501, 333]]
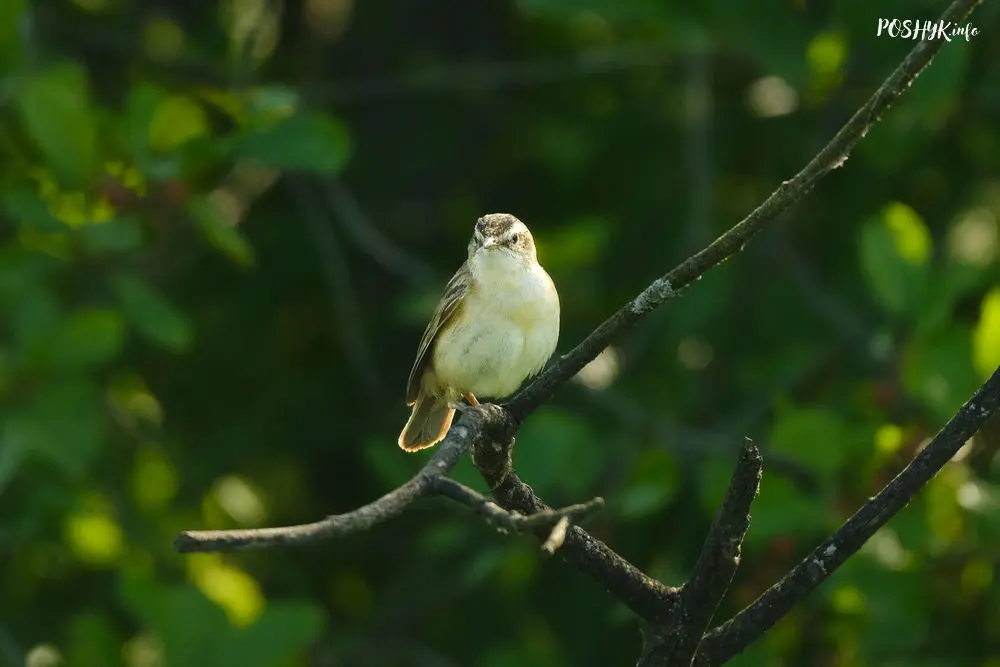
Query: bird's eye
[[513, 238]]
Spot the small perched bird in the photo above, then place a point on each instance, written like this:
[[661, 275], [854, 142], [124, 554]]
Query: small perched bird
[[497, 324]]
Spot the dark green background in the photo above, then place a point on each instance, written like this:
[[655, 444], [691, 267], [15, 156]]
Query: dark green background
[[162, 369]]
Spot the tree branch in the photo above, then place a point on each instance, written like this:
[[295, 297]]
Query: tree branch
[[833, 155], [736, 634], [511, 521], [457, 442], [645, 596]]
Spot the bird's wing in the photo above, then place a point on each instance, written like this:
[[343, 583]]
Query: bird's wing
[[447, 307]]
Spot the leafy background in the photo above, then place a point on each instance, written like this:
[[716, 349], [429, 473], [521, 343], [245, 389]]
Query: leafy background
[[224, 225]]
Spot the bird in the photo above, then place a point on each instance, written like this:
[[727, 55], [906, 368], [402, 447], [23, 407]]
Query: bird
[[496, 325]]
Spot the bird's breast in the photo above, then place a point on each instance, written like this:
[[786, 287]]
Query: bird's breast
[[507, 329]]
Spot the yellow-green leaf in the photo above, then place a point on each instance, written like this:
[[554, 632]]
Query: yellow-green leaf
[[986, 335], [176, 121], [895, 247]]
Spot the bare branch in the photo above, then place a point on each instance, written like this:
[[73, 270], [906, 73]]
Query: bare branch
[[511, 521], [458, 441], [676, 642], [833, 155], [736, 634], [557, 537]]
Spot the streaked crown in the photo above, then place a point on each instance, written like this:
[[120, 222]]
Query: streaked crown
[[502, 230]]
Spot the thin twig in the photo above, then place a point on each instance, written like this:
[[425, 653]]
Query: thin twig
[[736, 634], [557, 537], [511, 521]]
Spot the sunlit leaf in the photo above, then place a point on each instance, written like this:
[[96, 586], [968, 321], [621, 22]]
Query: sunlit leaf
[[175, 121], [986, 335], [895, 247], [55, 108], [95, 538]]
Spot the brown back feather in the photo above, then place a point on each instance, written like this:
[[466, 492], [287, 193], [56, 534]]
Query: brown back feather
[[447, 308]]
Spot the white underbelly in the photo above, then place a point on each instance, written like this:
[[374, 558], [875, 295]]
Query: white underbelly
[[490, 355]]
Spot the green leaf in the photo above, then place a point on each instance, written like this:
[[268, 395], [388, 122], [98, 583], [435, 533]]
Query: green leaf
[[35, 318], [15, 445], [142, 103], [175, 121], [152, 314], [55, 108], [986, 335], [814, 436], [895, 248], [195, 632], [27, 207], [774, 32], [219, 232], [61, 423], [933, 99], [112, 236], [653, 484], [89, 337], [551, 440], [193, 629], [11, 18], [938, 371], [637, 10], [306, 141], [282, 633], [782, 510]]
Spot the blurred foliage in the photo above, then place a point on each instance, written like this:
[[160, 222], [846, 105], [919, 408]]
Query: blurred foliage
[[200, 327]]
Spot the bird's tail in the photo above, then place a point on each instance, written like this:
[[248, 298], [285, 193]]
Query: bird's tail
[[428, 423]]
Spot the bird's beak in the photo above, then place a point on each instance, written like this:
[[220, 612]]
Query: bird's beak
[[489, 243]]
